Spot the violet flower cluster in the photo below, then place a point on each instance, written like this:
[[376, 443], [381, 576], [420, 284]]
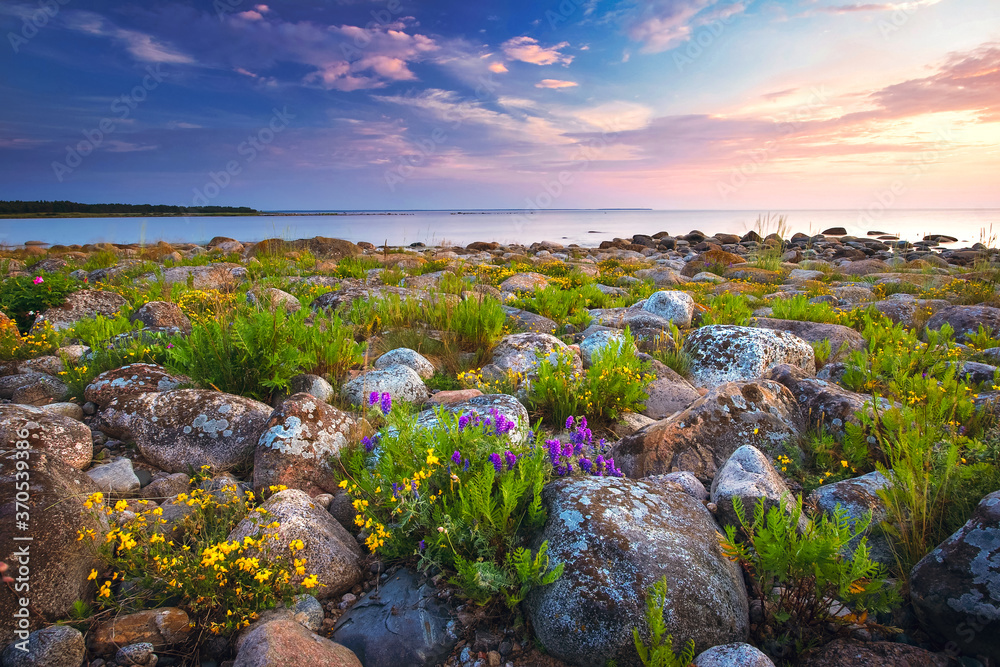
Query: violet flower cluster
[[494, 424], [580, 448], [383, 400]]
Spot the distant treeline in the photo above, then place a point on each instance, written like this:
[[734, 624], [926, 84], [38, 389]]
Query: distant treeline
[[36, 207]]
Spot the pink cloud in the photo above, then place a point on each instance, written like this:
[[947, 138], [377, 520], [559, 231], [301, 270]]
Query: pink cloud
[[556, 83], [528, 50], [497, 68]]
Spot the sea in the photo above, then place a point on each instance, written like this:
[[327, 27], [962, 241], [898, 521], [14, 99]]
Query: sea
[[585, 227]]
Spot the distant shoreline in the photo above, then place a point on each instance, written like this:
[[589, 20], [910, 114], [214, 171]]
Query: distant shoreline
[[36, 216]]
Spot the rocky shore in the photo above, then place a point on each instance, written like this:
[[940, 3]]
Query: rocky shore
[[765, 377]]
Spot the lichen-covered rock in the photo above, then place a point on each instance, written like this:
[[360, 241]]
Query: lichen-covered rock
[[724, 353], [526, 320], [140, 653], [667, 394], [406, 357], [33, 389], [54, 646], [597, 342], [117, 477], [85, 304], [966, 320], [701, 438], [188, 428], [617, 537], [219, 275], [843, 340], [401, 382], [749, 476], [283, 642], [520, 353], [823, 402], [131, 379], [520, 283], [162, 316], [273, 298], [685, 480], [402, 623], [904, 308], [661, 276], [56, 560], [298, 445], [57, 435], [330, 551], [844, 652], [483, 406], [859, 498], [162, 628], [955, 589], [736, 654], [672, 305]]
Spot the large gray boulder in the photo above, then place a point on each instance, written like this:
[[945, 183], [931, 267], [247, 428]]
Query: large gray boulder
[[617, 537], [406, 357], [955, 589], [188, 428], [54, 646], [162, 316], [401, 623], [520, 353], [672, 305], [724, 353], [966, 320], [750, 477], [58, 562], [597, 342], [284, 642], [59, 436], [736, 654], [85, 304], [330, 551], [131, 379], [822, 402], [701, 438], [843, 340], [117, 477], [401, 382], [299, 444]]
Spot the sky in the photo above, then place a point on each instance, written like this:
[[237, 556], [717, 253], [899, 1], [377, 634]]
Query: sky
[[550, 104]]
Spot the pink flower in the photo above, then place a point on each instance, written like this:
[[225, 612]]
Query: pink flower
[[38, 280]]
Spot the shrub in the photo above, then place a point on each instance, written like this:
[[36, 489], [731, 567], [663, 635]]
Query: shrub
[[660, 651], [22, 297], [459, 496], [800, 576], [615, 383], [13, 345], [221, 584]]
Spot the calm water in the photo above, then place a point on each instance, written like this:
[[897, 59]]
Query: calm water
[[585, 227]]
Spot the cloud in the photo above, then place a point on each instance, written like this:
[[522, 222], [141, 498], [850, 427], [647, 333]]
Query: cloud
[[556, 83], [497, 68], [663, 24], [907, 7], [528, 50], [142, 46]]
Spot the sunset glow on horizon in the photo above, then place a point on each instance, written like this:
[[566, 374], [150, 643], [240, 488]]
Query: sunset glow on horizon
[[394, 104]]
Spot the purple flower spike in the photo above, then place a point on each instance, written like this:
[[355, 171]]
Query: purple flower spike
[[386, 403], [463, 421], [422, 545], [373, 398], [586, 465], [497, 463], [465, 465], [456, 458], [368, 443], [569, 422], [511, 459]]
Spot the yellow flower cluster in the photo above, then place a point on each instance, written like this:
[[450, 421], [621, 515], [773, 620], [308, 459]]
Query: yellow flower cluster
[[204, 305]]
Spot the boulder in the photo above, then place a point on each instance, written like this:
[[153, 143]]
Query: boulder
[[71, 410], [904, 310], [402, 623], [56, 435], [701, 438], [661, 276], [616, 538], [33, 389], [58, 561], [312, 384], [672, 305], [117, 477], [401, 382], [685, 480], [164, 486], [955, 589], [859, 498], [520, 353], [162, 628], [188, 428], [966, 320], [484, 406], [749, 476], [733, 655], [131, 379], [330, 551], [406, 357], [283, 642], [841, 652], [273, 298], [597, 342], [864, 267], [162, 316], [522, 283], [219, 275], [298, 445], [725, 353], [843, 340], [85, 304], [823, 402], [667, 394], [525, 320], [54, 646]]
